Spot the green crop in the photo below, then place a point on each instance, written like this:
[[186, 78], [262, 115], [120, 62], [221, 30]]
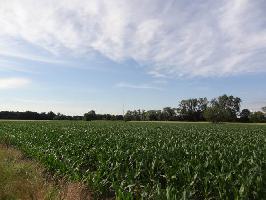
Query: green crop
[[150, 160]]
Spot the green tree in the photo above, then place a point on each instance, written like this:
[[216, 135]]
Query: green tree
[[135, 115], [216, 114], [229, 103], [128, 116], [91, 115], [152, 115], [168, 113], [245, 115], [51, 115], [257, 117], [192, 109]]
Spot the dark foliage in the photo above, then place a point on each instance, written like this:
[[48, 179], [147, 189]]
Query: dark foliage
[[221, 109]]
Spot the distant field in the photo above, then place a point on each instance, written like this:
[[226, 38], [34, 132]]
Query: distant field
[[149, 160]]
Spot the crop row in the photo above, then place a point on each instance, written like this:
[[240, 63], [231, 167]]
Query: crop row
[[150, 161]]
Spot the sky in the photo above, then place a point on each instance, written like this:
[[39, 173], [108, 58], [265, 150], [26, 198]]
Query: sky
[[71, 56]]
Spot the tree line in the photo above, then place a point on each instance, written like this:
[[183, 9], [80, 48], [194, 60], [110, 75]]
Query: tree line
[[221, 109], [29, 115]]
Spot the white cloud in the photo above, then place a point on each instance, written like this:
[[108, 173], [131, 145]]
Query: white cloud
[[15, 48], [176, 38], [137, 86], [13, 83]]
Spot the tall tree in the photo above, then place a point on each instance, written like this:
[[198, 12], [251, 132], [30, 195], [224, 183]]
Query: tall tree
[[51, 115], [91, 115], [192, 109], [216, 114], [128, 116], [152, 115], [229, 103], [168, 113], [245, 115]]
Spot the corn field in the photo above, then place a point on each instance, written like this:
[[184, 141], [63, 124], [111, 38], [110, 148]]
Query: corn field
[[149, 160]]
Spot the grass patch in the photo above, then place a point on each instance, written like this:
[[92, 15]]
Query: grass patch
[[21, 178]]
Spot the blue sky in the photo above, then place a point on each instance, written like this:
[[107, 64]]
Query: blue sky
[[73, 56]]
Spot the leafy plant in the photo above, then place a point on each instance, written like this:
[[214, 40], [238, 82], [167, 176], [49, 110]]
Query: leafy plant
[[150, 160]]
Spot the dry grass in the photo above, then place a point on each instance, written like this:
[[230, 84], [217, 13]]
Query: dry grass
[[24, 179], [21, 178]]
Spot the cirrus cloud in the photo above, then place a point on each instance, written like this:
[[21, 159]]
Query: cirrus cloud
[[176, 38]]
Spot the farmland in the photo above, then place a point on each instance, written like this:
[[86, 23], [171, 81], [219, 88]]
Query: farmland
[[149, 160]]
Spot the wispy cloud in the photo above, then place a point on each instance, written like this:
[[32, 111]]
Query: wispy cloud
[[137, 86], [15, 48], [7, 65], [176, 38], [13, 83], [157, 74]]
